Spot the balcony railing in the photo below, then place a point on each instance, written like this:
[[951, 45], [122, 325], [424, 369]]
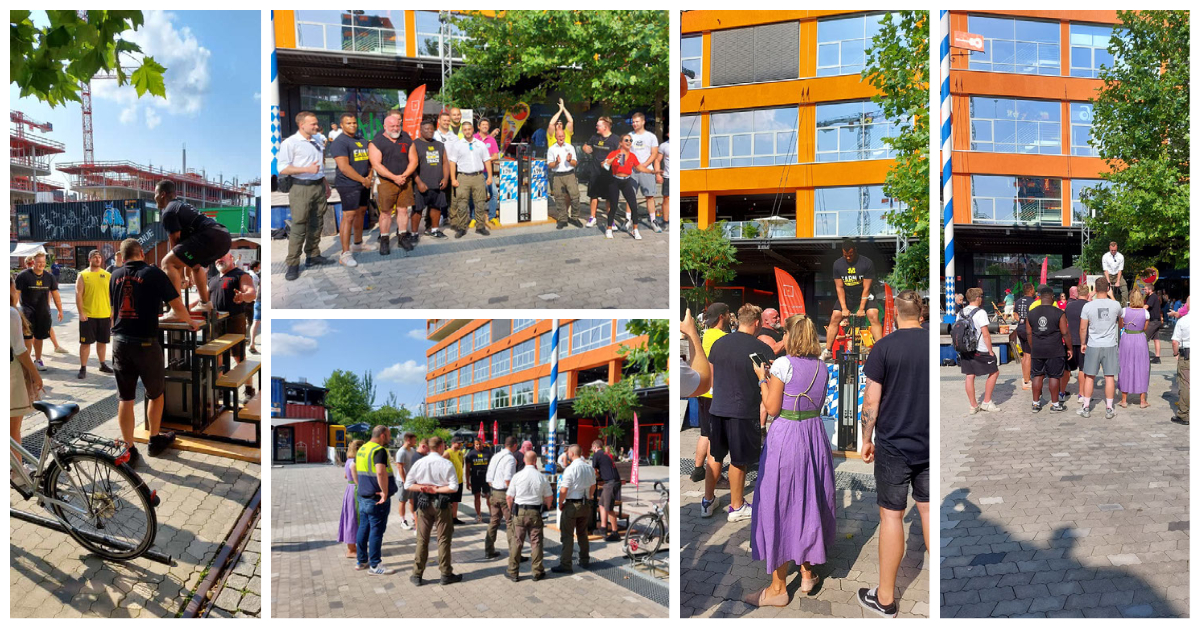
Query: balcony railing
[[1021, 211], [350, 38]]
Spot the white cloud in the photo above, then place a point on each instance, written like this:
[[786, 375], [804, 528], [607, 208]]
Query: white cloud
[[187, 77], [292, 345], [257, 96], [417, 334], [152, 119], [407, 372], [314, 327]]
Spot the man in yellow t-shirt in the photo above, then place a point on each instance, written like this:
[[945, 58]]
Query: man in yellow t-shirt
[[95, 312], [716, 321], [456, 455]]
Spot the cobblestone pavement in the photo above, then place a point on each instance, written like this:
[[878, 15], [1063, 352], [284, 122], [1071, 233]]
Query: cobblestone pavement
[[241, 596], [717, 569], [520, 267], [202, 497], [312, 577], [1055, 515]]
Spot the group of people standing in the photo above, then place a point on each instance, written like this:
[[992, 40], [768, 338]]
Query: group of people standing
[[793, 519], [433, 479], [447, 172]]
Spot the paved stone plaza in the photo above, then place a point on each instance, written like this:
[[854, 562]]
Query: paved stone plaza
[[717, 570], [312, 577], [1055, 515], [514, 268], [202, 498]]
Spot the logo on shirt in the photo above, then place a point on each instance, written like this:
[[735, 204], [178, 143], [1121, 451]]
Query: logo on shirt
[[1043, 323]]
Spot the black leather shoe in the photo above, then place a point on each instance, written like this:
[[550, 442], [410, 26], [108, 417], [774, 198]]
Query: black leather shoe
[[438, 234], [561, 569], [293, 273], [416, 580], [483, 231], [458, 233], [407, 242], [512, 577], [317, 260], [492, 555], [452, 578], [161, 442], [584, 562], [562, 225], [385, 245], [539, 576]]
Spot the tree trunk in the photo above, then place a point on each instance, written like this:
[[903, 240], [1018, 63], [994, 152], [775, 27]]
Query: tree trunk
[[659, 122]]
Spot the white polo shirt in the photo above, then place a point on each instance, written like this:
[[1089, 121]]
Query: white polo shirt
[[471, 157], [529, 487], [500, 470], [1183, 331], [301, 153], [1114, 264], [577, 478], [564, 155], [434, 470]]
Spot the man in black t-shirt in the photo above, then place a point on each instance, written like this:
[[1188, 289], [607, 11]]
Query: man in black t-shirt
[[1046, 326], [233, 292], [1021, 309], [853, 279], [137, 292], [896, 413], [1072, 312], [37, 288], [599, 146], [196, 241], [427, 158], [609, 480], [476, 463], [771, 332], [353, 183], [388, 153], [1154, 306], [733, 425]]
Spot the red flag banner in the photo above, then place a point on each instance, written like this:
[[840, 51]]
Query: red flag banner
[[412, 112], [1045, 267], [889, 310], [495, 433], [481, 432], [514, 119], [791, 300], [633, 475]]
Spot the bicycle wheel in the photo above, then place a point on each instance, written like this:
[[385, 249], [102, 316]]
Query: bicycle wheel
[[644, 536], [117, 521]]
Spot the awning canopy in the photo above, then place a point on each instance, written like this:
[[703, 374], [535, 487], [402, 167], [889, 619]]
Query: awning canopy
[[281, 421], [23, 249]]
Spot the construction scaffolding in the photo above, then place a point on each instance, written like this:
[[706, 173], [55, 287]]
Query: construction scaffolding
[[117, 180], [30, 156]]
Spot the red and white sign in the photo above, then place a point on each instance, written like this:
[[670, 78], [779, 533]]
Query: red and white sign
[[633, 474], [970, 41]]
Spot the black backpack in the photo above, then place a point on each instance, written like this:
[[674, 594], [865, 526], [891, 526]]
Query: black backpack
[[963, 335]]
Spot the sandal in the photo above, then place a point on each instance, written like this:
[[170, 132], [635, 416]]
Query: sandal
[[1122, 404], [1144, 405], [763, 598]]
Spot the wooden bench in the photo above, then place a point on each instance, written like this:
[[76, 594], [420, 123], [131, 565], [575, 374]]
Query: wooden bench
[[239, 375], [220, 345], [252, 413]]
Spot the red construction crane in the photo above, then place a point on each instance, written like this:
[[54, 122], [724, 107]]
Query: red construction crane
[[85, 98], [21, 118]]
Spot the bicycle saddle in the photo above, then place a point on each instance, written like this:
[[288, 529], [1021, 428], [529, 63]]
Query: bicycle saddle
[[58, 414]]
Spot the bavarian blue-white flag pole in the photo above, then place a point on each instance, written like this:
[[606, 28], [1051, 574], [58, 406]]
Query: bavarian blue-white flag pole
[[272, 102], [947, 179], [552, 456]]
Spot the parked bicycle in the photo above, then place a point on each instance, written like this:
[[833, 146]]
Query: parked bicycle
[[647, 533], [86, 483]]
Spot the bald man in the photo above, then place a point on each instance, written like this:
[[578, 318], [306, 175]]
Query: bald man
[[528, 496], [576, 488]]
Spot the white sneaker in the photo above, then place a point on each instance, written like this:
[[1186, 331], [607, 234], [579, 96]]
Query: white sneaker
[[654, 225], [706, 506], [988, 406], [741, 514], [61, 350], [347, 259], [975, 410], [39, 365], [591, 222], [636, 235], [203, 307], [608, 234], [628, 223]]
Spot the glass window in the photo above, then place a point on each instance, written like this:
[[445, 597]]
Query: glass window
[[451, 380], [1015, 46], [464, 403], [590, 334], [692, 51], [754, 137], [853, 211], [564, 335], [429, 37], [1089, 49], [1009, 125], [544, 388], [842, 43], [430, 388], [689, 145], [500, 362], [1016, 200], [379, 32], [1081, 130], [1079, 211], [481, 370], [479, 401], [500, 397], [464, 375], [522, 356], [522, 323], [853, 131], [522, 393], [482, 336], [623, 332], [451, 352]]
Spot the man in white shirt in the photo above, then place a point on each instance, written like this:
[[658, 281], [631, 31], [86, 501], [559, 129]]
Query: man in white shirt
[[645, 146], [334, 131], [561, 159], [1181, 346], [470, 174], [576, 487], [983, 362], [528, 494], [434, 479], [1114, 264], [302, 157], [500, 472]]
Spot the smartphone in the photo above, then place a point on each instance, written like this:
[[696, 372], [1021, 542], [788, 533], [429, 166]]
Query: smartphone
[[758, 360]]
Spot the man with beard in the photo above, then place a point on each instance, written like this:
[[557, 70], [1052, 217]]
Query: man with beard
[[599, 147], [388, 153], [427, 158]]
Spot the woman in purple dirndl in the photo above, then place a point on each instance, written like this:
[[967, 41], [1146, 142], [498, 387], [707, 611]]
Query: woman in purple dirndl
[[348, 523]]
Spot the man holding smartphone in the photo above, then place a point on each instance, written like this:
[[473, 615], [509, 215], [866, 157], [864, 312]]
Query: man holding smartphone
[[734, 428]]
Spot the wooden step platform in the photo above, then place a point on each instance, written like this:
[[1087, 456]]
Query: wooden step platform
[[239, 375], [252, 411], [220, 345], [224, 426]]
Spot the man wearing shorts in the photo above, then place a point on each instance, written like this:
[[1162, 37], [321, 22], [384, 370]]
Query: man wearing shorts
[[1098, 325], [1073, 312], [645, 146], [716, 321], [95, 311], [388, 153], [457, 456], [896, 413], [1021, 310], [233, 293], [853, 279], [196, 241], [427, 158], [137, 294], [37, 288], [1046, 326], [405, 459], [256, 325], [734, 428], [609, 480], [982, 363], [477, 463], [353, 182], [599, 146]]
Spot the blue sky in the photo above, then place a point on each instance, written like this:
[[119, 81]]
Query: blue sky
[[214, 84], [393, 350]]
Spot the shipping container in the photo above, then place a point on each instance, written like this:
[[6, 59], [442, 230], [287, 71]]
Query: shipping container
[[74, 253], [277, 397], [238, 220], [299, 442], [299, 411], [84, 220]]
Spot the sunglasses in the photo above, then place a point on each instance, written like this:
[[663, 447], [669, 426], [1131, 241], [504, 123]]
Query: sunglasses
[[626, 141]]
